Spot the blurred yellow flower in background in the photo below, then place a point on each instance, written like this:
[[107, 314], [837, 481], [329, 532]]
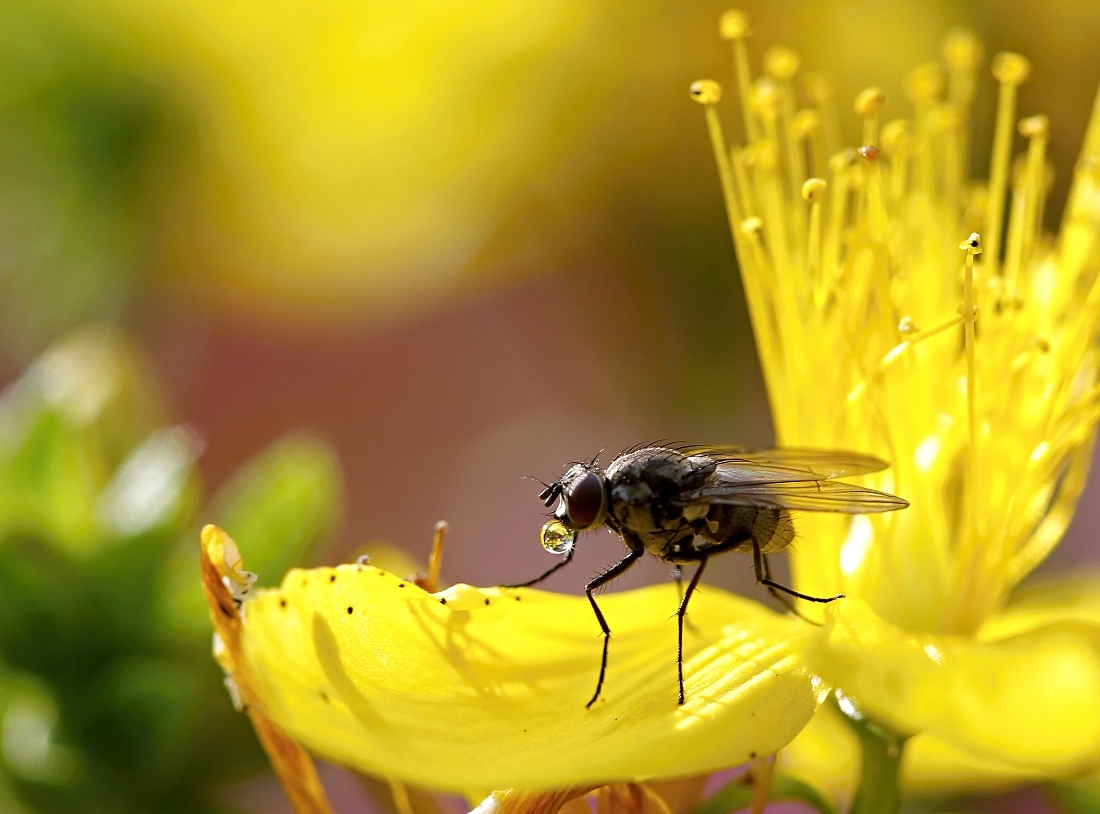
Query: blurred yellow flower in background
[[978, 382]]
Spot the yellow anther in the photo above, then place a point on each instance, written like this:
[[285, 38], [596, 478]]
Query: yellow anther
[[925, 83], [706, 91], [813, 189], [869, 101], [820, 85], [961, 49], [752, 226], [1011, 68], [764, 99], [780, 62], [805, 123], [907, 326], [896, 133], [734, 25], [972, 244], [1037, 126]]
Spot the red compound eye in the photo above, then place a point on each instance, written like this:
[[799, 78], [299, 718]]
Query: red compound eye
[[584, 500]]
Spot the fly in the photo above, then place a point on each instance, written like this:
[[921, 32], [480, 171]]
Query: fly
[[690, 503]]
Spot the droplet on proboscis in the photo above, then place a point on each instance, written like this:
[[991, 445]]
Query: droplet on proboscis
[[961, 49], [813, 189], [780, 62], [1011, 68], [706, 91], [734, 25], [556, 538]]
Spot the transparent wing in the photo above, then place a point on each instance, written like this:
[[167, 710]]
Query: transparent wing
[[806, 496], [786, 464]]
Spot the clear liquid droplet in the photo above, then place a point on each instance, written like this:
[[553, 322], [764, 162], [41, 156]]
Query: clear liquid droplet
[[556, 538]]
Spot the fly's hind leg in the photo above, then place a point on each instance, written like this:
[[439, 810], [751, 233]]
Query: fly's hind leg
[[617, 569], [680, 613], [764, 577]]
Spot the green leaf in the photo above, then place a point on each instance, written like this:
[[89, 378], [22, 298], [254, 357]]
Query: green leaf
[[281, 505], [737, 795]]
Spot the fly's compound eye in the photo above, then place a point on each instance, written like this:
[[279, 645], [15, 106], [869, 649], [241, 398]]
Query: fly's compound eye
[[557, 538], [585, 501]]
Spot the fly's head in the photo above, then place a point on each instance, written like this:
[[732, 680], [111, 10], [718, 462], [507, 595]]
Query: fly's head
[[581, 495]]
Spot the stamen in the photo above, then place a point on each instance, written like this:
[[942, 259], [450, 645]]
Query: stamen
[[876, 211], [1011, 70], [924, 86], [435, 561], [812, 192], [820, 87], [781, 64], [765, 103], [1025, 204], [734, 26], [806, 128], [972, 246], [962, 52], [867, 106], [896, 141]]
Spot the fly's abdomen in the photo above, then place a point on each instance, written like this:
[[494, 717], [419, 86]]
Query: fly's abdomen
[[772, 529]]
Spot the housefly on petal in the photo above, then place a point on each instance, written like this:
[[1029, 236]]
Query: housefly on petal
[[690, 503]]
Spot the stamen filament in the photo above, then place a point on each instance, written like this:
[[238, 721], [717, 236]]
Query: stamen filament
[[734, 26], [1011, 71]]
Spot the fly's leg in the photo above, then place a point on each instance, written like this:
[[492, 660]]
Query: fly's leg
[[764, 577], [680, 623], [617, 569], [564, 561]]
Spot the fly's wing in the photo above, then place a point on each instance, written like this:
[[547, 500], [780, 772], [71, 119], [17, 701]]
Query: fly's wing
[[806, 496], [773, 465]]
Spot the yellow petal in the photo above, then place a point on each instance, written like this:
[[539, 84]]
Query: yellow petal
[[1033, 699], [825, 755], [487, 688], [1073, 598]]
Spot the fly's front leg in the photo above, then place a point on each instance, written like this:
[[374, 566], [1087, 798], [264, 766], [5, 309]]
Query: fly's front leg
[[617, 569], [680, 623]]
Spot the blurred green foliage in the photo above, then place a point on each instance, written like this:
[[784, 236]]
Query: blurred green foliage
[[109, 698], [76, 127]]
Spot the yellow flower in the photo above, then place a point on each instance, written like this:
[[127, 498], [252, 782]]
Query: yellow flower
[[976, 381], [473, 689]]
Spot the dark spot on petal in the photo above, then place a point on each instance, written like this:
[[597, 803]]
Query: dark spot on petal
[[401, 585], [305, 582], [516, 598], [486, 600], [282, 603], [443, 601], [752, 754], [350, 609], [324, 696], [332, 578]]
